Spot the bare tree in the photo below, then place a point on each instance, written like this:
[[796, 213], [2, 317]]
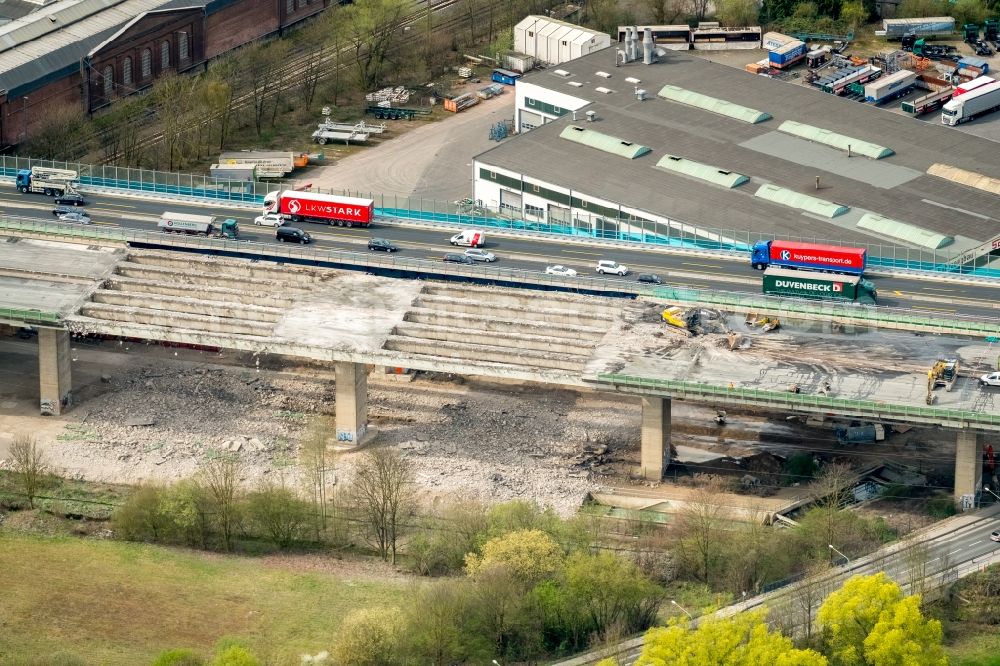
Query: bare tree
[[700, 8], [317, 467], [222, 479], [917, 558], [832, 491], [29, 466], [318, 34], [382, 490], [175, 97], [263, 67], [805, 599], [702, 537], [58, 130]]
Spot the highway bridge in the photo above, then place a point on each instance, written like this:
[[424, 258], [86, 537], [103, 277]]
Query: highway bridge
[[293, 302]]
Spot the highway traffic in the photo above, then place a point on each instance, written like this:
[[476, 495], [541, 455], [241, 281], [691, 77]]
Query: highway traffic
[[935, 298]]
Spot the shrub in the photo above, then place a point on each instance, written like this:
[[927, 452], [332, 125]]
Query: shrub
[[178, 657]]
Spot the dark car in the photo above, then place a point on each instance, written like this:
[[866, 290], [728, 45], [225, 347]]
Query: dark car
[[71, 200], [61, 210], [649, 278], [455, 258], [292, 235], [381, 245]]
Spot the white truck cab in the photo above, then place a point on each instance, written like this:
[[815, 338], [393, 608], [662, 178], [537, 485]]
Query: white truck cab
[[469, 238]]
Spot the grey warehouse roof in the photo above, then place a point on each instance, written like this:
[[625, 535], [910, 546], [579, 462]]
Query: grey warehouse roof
[[897, 186], [47, 44]]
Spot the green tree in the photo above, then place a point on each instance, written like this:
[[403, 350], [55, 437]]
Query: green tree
[[28, 464], [189, 506], [278, 513], [436, 624], [737, 12], [141, 517], [868, 622], [903, 636], [178, 657], [969, 11], [853, 13], [373, 29], [609, 591], [530, 555], [736, 641], [919, 8], [369, 637], [442, 551]]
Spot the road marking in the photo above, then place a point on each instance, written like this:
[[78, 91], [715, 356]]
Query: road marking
[[920, 307], [898, 293], [588, 254], [712, 266], [938, 289], [116, 205]]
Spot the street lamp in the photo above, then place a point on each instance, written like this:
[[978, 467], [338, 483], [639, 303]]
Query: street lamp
[[682, 608], [839, 553], [987, 489]]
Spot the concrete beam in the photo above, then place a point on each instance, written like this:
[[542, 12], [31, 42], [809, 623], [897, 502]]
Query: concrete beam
[[118, 313], [186, 304], [507, 355], [513, 326], [478, 337], [594, 307], [968, 467], [241, 295], [55, 374], [655, 454], [352, 402], [529, 310]]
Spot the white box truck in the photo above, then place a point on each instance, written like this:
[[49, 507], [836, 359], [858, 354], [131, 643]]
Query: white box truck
[[973, 103]]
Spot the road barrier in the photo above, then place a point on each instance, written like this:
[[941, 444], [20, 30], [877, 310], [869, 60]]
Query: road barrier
[[30, 316], [389, 264], [640, 227]]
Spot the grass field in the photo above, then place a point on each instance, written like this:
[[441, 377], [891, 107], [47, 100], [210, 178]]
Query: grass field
[[973, 645], [120, 603]]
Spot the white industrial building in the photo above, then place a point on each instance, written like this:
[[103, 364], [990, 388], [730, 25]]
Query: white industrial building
[[553, 42]]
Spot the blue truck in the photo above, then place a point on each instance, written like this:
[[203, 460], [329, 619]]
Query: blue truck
[[44, 180], [808, 256]]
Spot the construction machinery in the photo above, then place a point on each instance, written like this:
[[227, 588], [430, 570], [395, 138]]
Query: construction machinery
[[943, 373]]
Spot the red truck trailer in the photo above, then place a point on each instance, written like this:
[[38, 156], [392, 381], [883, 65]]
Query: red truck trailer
[[808, 256], [324, 208]]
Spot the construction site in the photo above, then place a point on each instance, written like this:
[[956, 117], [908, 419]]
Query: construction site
[[494, 393]]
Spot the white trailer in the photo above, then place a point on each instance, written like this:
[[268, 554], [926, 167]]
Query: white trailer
[[890, 87], [184, 223], [973, 103], [269, 163]]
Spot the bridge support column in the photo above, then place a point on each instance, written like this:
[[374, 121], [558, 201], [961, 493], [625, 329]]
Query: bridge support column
[[352, 402], [55, 373], [968, 465], [655, 454]]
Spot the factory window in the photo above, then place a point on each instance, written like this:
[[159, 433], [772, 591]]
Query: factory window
[[556, 109], [182, 46], [527, 127], [164, 55], [531, 34], [108, 75], [147, 63], [127, 71], [535, 188], [534, 211], [530, 101], [564, 42]]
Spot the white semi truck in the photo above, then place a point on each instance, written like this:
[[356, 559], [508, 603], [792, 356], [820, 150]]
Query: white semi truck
[[971, 104]]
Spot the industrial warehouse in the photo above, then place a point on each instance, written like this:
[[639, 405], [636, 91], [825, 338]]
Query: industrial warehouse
[[639, 138]]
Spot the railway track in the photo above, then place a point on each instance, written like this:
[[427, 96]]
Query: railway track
[[286, 73]]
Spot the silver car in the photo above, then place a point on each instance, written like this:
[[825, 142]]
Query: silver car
[[74, 218], [478, 254]]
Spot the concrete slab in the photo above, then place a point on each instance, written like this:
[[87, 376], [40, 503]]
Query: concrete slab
[[60, 298], [20, 255]]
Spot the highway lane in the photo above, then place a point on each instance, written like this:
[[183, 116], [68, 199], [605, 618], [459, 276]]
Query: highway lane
[[931, 297]]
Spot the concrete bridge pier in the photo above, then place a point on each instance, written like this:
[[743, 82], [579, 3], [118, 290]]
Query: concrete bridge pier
[[55, 372], [352, 402], [654, 457], [968, 465]]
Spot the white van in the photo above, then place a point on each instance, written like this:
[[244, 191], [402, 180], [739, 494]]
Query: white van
[[470, 238]]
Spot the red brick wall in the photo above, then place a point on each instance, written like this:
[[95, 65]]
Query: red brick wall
[[238, 24], [18, 115]]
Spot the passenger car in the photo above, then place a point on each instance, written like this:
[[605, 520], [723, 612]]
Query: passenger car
[[269, 220], [608, 266], [995, 535], [75, 218], [381, 245], [292, 235], [477, 254], [560, 270], [992, 379], [649, 278], [61, 210], [73, 199], [453, 258]]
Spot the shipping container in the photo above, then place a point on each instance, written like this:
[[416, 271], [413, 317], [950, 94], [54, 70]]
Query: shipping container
[[810, 256], [787, 54], [505, 76], [932, 25], [461, 102], [246, 173], [518, 62], [890, 87], [774, 40], [269, 163], [804, 284]]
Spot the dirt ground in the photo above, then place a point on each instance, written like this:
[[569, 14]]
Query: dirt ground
[[154, 413]]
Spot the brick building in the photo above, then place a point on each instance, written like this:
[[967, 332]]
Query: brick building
[[87, 53]]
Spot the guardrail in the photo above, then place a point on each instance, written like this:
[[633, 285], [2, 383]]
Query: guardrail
[[816, 403], [657, 230], [871, 315], [31, 316]]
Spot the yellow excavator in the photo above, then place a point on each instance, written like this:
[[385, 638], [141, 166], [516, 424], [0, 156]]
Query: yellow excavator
[[943, 373]]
